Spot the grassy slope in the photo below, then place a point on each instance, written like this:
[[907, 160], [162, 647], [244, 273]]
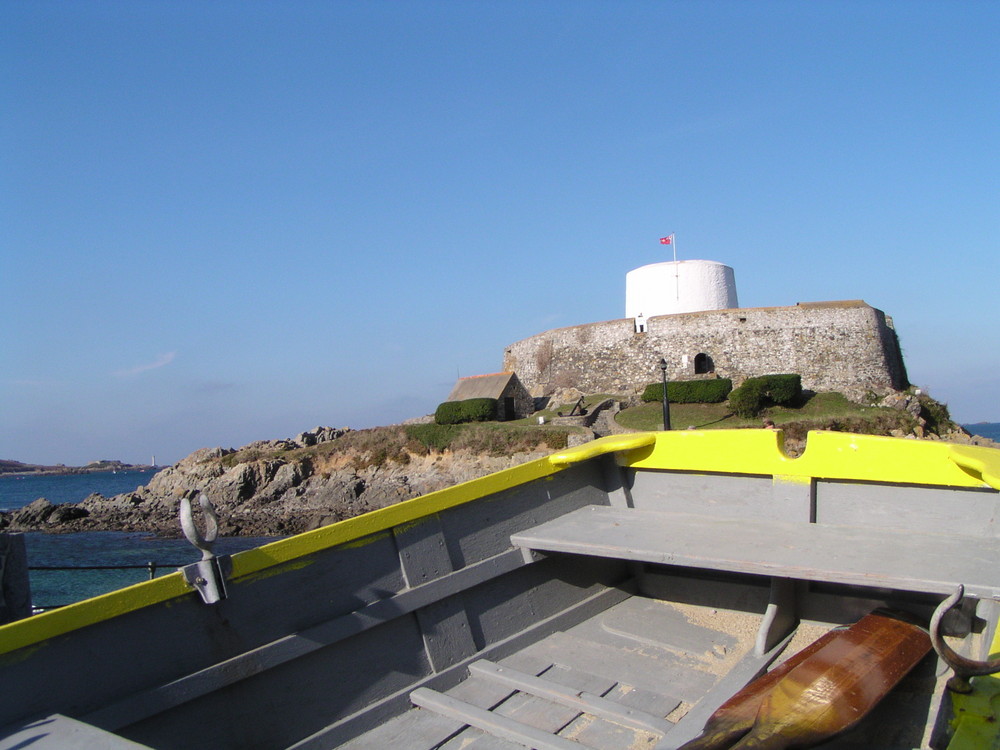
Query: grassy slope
[[397, 443], [822, 408]]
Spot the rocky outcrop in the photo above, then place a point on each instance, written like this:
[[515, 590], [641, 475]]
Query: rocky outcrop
[[34, 514], [929, 420], [268, 488], [40, 514], [962, 437]]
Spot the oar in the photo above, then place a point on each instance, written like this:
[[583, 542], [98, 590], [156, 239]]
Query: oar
[[834, 688], [734, 718], [737, 716]]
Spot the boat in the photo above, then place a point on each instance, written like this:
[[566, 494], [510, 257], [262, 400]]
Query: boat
[[612, 595]]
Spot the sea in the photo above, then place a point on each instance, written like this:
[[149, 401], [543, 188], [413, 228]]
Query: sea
[[989, 430], [130, 556]]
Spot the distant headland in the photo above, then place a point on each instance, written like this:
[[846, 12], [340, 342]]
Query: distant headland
[[16, 467]]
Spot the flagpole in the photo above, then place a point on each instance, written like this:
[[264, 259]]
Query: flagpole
[[677, 270]]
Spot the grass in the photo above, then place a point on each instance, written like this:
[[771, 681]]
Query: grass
[[493, 438], [400, 443], [821, 408]]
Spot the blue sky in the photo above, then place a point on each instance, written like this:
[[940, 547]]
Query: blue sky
[[223, 222]]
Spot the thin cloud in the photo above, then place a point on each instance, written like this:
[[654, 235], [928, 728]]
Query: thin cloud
[[162, 361], [213, 386]]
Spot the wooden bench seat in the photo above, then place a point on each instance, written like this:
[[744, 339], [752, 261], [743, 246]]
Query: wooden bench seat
[[877, 557]]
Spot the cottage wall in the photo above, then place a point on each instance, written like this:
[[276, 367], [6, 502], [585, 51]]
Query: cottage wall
[[838, 346], [524, 404]]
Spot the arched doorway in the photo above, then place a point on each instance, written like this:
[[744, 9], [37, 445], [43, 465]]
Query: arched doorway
[[703, 364]]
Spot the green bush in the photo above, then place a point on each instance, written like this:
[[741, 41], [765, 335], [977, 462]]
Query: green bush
[[690, 391], [936, 414], [748, 400], [470, 410], [784, 390]]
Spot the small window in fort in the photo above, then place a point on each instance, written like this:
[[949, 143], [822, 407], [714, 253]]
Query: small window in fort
[[703, 364]]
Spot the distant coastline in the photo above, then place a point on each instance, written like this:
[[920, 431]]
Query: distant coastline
[[16, 468]]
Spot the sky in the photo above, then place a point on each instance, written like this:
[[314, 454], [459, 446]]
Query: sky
[[231, 221]]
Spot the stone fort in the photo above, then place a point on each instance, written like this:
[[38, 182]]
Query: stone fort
[[686, 313]]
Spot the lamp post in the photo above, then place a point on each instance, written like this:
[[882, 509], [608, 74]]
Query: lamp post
[[666, 402]]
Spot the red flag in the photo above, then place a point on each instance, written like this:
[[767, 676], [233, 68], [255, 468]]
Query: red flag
[[666, 240]]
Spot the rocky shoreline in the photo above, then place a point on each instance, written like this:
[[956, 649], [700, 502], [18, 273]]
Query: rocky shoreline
[[268, 488]]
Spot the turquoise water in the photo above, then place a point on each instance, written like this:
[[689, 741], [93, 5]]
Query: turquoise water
[[58, 587]]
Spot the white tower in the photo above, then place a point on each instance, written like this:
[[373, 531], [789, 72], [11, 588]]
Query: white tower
[[679, 286]]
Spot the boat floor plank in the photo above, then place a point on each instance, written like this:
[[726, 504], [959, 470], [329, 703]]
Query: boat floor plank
[[561, 674], [475, 739], [481, 692], [415, 730], [581, 701], [537, 712], [643, 700], [626, 695], [494, 723], [659, 623], [530, 663], [879, 557], [653, 672], [485, 693], [703, 658], [600, 734]]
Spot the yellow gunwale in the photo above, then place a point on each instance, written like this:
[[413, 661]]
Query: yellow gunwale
[[829, 455]]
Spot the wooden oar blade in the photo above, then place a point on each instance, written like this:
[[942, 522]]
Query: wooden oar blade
[[734, 718], [838, 685]]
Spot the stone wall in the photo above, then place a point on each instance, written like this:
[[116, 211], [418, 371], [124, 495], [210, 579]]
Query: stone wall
[[835, 346], [523, 403]]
